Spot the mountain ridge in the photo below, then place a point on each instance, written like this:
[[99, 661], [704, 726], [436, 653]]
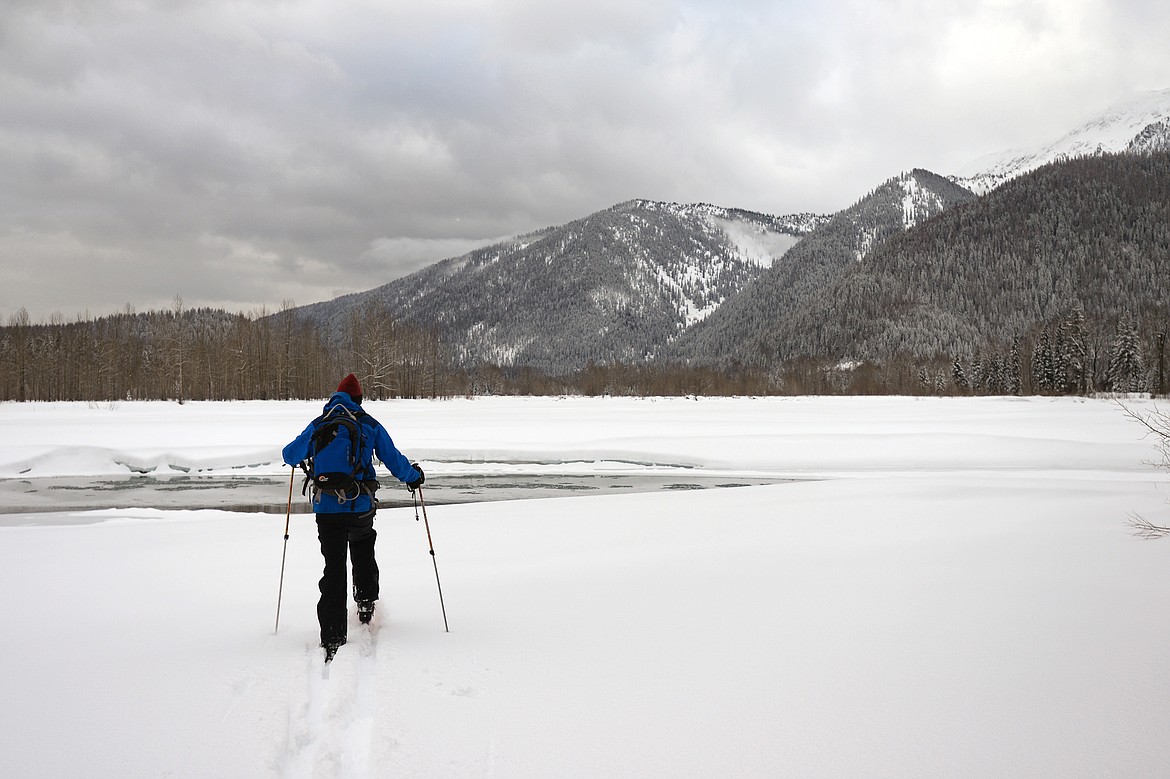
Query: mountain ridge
[[733, 333], [646, 281], [616, 285], [1090, 234], [1140, 122]]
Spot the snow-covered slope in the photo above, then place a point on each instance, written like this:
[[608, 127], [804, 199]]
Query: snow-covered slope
[[806, 273], [1154, 138], [915, 195], [1140, 123], [1000, 267]]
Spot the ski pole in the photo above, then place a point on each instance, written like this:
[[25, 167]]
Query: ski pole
[[431, 543], [287, 516]]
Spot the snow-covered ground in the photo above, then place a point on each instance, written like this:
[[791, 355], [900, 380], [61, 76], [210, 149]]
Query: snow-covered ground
[[952, 590]]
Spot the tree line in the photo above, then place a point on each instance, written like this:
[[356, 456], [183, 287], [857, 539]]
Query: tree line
[[205, 354]]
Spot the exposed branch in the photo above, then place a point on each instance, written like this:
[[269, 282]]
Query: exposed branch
[[1155, 422], [1144, 528]]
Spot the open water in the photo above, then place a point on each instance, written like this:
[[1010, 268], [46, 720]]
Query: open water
[[270, 494]]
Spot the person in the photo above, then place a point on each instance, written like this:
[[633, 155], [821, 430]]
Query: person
[[348, 520]]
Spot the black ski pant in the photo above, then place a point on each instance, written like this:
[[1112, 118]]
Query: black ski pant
[[337, 532]]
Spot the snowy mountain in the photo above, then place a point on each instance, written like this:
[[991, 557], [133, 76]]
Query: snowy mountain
[[1138, 124], [1084, 239], [646, 280], [734, 332], [1153, 138], [615, 286]]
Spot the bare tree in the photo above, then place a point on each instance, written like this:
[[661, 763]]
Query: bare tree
[[18, 324], [1157, 423], [179, 354]]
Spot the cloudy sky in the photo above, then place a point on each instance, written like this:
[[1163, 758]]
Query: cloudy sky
[[240, 154]]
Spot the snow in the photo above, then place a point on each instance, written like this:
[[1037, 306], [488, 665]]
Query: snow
[[756, 245], [866, 238], [951, 589], [918, 203], [1109, 132]]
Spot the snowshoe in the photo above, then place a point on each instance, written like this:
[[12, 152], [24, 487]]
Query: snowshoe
[[331, 648], [365, 610]]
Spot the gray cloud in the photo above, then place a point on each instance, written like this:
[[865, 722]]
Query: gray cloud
[[240, 154]]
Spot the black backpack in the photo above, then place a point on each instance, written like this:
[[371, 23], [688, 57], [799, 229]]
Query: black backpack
[[334, 465]]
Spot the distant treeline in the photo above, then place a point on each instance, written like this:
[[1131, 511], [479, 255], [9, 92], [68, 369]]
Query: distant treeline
[[206, 354]]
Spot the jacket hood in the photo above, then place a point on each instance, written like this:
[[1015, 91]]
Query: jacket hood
[[342, 398]]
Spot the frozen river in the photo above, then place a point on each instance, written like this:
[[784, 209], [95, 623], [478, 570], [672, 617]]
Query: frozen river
[[23, 496]]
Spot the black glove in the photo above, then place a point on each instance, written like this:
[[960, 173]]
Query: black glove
[[414, 485]]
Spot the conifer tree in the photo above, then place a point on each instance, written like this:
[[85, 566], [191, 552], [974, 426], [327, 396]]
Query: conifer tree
[[1076, 352], [960, 376], [1126, 371], [1014, 382], [1041, 364], [977, 377]]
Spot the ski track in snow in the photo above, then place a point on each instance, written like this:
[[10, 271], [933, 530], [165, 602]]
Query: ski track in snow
[[331, 733]]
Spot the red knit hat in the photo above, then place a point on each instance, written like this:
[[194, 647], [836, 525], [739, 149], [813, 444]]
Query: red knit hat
[[351, 386]]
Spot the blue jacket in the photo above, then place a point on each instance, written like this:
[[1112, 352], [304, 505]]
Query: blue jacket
[[377, 441]]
